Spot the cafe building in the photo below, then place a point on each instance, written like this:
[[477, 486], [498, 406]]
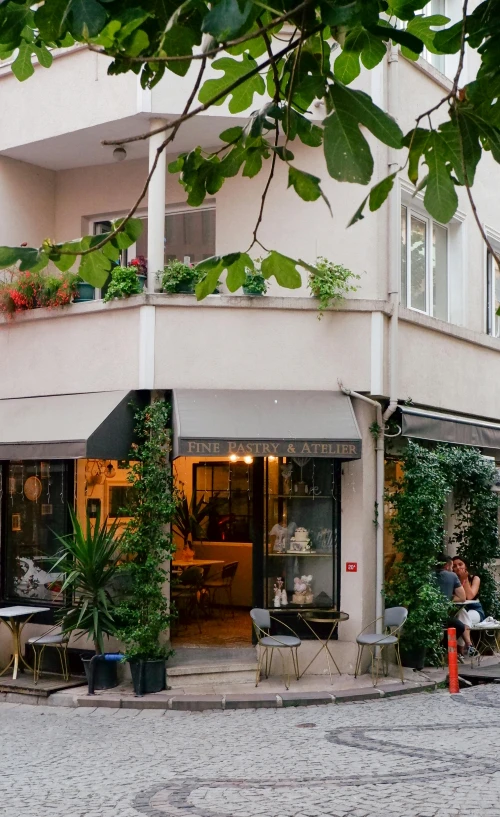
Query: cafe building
[[267, 463]]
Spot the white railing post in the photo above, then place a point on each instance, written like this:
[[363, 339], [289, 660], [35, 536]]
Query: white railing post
[[156, 208]]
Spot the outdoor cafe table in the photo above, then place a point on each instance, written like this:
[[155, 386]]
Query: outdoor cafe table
[[491, 631], [315, 617], [183, 563], [16, 618]]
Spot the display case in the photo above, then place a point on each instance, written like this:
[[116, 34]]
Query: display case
[[301, 542]]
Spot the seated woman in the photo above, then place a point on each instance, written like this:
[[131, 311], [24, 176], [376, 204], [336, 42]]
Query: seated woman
[[473, 613]]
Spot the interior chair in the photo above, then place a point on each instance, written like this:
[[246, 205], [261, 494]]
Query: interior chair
[[261, 620], [52, 638], [223, 582], [189, 591], [378, 643]]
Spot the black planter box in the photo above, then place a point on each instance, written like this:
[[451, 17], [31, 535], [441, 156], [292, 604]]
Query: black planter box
[[148, 676]]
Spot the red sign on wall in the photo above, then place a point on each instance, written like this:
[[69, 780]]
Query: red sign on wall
[[351, 567]]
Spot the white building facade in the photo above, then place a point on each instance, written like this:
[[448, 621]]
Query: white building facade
[[421, 327]]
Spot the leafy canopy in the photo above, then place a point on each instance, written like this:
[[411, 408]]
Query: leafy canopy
[[275, 81]]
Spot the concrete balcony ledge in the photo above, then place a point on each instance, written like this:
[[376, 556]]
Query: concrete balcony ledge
[[164, 301]]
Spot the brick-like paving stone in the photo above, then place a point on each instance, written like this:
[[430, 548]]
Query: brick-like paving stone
[[421, 755]]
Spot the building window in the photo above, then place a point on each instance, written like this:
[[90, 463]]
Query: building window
[[424, 264], [36, 513], [493, 296], [189, 236], [437, 60], [229, 484]]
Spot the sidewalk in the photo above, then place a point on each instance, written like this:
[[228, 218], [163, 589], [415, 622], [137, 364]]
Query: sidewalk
[[271, 693]]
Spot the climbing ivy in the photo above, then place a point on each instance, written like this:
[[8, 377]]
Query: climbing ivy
[[418, 499]]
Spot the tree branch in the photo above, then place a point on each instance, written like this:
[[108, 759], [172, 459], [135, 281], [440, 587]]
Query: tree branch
[[264, 194]]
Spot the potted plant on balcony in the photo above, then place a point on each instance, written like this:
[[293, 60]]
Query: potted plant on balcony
[[141, 267], [178, 277], [145, 614], [255, 284], [89, 561], [124, 282], [331, 283], [84, 291]]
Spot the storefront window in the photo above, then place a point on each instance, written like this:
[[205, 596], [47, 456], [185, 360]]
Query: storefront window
[[36, 512], [229, 486], [301, 551]]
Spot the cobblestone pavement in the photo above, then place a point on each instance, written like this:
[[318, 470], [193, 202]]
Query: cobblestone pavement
[[421, 755]]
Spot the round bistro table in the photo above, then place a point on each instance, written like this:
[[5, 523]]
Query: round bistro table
[[332, 617]]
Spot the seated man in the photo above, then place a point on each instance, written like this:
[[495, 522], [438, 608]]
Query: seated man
[[451, 588]]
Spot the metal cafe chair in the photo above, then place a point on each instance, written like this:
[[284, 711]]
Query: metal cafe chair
[[51, 638], [262, 625], [223, 581], [393, 622]]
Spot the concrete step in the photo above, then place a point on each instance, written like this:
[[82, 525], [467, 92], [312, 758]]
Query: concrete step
[[194, 666]]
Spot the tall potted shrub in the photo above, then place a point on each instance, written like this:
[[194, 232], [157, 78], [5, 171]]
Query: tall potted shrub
[[89, 561], [144, 614]]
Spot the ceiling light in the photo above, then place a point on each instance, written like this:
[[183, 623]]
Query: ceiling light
[[248, 460], [233, 458], [119, 154]]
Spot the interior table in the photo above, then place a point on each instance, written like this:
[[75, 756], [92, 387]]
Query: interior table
[[16, 618], [331, 617]]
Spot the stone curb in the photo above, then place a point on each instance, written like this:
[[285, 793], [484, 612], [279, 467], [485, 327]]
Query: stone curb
[[200, 703]]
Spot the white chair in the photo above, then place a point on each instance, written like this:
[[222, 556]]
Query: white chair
[[51, 638], [394, 619], [262, 625]]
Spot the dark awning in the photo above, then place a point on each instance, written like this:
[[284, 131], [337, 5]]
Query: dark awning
[[449, 428], [67, 426], [262, 423]]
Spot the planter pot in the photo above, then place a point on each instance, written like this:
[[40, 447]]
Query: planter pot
[[413, 657], [85, 292], [142, 281], [105, 675], [186, 288], [252, 294], [148, 676]]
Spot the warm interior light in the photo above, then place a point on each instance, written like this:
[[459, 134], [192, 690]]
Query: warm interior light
[[233, 458], [272, 459], [248, 460]]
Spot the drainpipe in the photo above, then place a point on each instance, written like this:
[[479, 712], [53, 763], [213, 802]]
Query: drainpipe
[[379, 500], [392, 233]]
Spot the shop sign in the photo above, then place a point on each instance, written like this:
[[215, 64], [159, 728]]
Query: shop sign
[[342, 449], [351, 567]]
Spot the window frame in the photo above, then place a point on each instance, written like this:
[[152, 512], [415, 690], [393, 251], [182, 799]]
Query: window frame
[[231, 492], [490, 292], [423, 216]]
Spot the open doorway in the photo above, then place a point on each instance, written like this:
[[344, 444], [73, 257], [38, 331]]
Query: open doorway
[[212, 567]]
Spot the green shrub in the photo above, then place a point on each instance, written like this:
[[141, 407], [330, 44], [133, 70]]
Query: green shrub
[[124, 283], [331, 283], [255, 283], [177, 275]]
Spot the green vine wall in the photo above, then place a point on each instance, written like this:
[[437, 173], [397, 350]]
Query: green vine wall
[[418, 526]]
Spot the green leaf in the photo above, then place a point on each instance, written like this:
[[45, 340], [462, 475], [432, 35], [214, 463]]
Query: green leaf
[[356, 104], [253, 163], [347, 153], [227, 18], [95, 268], [40, 263], [44, 56], [22, 67], [231, 134], [51, 19], [306, 185], [63, 261], [449, 40], [416, 141], [211, 269], [373, 52], [234, 70], [398, 35], [346, 66], [237, 271], [28, 257], [309, 134], [132, 229], [421, 27], [471, 148], [179, 41], [283, 268], [86, 19], [8, 256], [440, 199], [376, 197], [137, 42]]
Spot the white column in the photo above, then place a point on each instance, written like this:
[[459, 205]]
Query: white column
[[156, 207]]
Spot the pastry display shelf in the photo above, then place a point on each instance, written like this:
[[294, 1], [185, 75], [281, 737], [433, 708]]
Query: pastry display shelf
[[300, 496], [298, 553]]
